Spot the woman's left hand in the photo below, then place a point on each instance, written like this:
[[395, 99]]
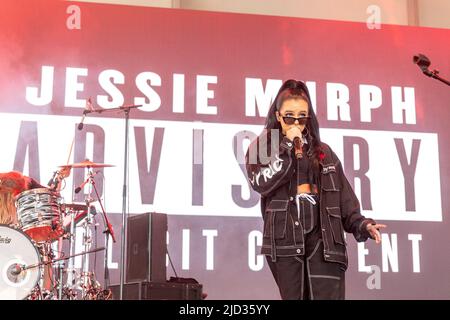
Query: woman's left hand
[[373, 231]]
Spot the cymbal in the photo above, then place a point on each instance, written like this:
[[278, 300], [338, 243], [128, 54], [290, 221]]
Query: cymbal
[[86, 164]]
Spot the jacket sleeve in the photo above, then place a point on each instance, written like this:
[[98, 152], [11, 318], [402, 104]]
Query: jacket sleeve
[[266, 175], [352, 219]]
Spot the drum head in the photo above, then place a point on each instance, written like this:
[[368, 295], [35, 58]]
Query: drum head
[[16, 248]]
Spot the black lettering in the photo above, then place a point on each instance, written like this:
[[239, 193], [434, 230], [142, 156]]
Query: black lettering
[[197, 167], [352, 173], [28, 141], [236, 190], [409, 170], [148, 176]]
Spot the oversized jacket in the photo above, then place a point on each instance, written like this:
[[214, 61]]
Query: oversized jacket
[[275, 181]]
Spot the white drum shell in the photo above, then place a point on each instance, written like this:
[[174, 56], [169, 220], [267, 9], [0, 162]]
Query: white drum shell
[[17, 248]]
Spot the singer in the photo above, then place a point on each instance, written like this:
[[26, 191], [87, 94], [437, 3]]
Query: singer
[[306, 201]]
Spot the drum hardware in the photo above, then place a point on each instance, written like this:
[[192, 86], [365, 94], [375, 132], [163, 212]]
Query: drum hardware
[[85, 284], [126, 109], [87, 213], [38, 294], [43, 218], [93, 289], [42, 221], [24, 267], [71, 269], [21, 265], [75, 213], [39, 214], [89, 283], [60, 277], [108, 232]]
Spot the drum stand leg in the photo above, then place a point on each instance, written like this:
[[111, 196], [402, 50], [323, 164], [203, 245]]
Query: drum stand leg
[[46, 285], [60, 284], [85, 282], [71, 266]]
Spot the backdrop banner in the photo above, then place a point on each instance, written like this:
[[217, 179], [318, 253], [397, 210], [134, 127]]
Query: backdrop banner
[[205, 81]]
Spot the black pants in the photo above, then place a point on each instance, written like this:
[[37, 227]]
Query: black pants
[[309, 277]]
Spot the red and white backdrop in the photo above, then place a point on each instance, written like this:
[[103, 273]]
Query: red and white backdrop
[[206, 81]]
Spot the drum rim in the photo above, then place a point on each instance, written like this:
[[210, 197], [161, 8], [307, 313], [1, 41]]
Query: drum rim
[[37, 190], [34, 243]]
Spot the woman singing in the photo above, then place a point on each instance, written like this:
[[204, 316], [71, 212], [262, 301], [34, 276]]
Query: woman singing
[[306, 201]]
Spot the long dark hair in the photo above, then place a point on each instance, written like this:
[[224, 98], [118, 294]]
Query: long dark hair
[[293, 89]]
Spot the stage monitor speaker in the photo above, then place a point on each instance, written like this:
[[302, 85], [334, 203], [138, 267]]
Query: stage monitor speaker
[[158, 291], [146, 247]]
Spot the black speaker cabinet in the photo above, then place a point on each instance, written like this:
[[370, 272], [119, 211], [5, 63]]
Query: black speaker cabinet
[[146, 247], [158, 291]]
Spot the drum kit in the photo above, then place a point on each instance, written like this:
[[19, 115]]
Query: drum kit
[[30, 266]]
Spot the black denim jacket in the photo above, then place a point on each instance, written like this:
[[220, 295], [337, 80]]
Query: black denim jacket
[[276, 182]]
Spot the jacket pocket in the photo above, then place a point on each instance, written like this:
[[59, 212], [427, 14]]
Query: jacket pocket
[[329, 179], [276, 219], [334, 218]]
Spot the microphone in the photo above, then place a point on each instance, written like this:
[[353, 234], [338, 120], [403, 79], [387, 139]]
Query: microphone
[[81, 186], [80, 125], [423, 62], [52, 180], [298, 147], [87, 109]]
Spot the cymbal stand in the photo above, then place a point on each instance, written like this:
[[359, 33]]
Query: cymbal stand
[[89, 284], [87, 239], [71, 262], [108, 232], [60, 277]]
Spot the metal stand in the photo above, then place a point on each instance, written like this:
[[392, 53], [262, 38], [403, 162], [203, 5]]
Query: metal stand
[[36, 265], [434, 74], [108, 231], [124, 207], [88, 282], [126, 110], [71, 264], [60, 284], [85, 275]]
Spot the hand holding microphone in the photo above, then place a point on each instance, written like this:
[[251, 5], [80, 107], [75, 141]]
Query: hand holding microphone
[[298, 143], [294, 134]]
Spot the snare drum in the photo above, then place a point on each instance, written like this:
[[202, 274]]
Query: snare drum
[[39, 214], [16, 251]]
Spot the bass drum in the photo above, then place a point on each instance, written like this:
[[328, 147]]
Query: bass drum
[[16, 250]]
